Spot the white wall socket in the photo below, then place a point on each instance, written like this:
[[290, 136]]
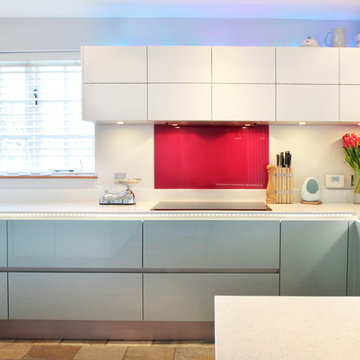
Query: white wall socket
[[335, 181]]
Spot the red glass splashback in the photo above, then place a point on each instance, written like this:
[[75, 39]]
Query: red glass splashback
[[211, 157]]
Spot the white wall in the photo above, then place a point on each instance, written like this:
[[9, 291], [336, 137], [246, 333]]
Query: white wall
[[316, 149]]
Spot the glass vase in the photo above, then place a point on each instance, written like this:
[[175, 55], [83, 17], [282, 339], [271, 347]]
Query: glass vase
[[357, 187]]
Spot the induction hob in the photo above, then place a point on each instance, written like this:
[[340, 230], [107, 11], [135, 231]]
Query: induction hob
[[210, 205]]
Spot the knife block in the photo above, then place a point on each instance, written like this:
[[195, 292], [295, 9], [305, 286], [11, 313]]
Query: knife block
[[283, 185]]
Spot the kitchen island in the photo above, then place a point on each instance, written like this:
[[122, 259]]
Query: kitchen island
[[282, 328], [82, 270]]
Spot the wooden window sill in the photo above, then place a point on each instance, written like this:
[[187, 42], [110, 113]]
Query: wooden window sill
[[48, 177]]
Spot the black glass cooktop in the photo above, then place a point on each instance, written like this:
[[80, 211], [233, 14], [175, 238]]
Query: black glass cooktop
[[211, 205]]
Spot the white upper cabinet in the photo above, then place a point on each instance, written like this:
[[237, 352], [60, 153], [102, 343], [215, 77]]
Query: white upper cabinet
[[114, 64], [179, 64], [350, 66], [234, 64], [310, 103], [106, 103], [307, 65], [243, 102], [179, 102], [349, 103]]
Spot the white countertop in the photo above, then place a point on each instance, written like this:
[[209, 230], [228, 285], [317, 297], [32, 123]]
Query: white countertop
[[287, 328], [142, 210]]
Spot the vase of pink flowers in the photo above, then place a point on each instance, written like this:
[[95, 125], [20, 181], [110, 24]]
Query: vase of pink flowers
[[351, 146]]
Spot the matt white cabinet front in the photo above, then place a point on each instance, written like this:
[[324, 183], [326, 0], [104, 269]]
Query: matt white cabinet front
[[244, 102], [114, 64], [308, 103], [176, 102], [307, 65], [349, 103], [179, 64], [114, 102], [235, 64], [350, 66]]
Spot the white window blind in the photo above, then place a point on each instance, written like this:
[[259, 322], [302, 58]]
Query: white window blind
[[41, 130]]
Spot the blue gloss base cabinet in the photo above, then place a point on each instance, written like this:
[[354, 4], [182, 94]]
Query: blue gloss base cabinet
[[206, 258], [75, 243], [83, 270], [190, 297], [3, 275], [3, 297], [75, 296], [354, 259], [314, 258]]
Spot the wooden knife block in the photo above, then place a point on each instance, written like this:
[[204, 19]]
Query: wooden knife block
[[283, 185]]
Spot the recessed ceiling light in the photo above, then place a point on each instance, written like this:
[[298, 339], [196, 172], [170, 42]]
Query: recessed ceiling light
[[302, 123], [359, 124], [247, 124], [120, 122], [177, 127], [174, 124]]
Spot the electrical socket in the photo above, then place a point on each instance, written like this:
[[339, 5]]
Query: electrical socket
[[119, 175]]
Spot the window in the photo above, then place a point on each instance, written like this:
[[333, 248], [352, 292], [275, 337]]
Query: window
[[41, 130]]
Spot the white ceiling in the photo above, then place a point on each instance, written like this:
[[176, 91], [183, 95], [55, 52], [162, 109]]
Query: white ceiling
[[282, 9]]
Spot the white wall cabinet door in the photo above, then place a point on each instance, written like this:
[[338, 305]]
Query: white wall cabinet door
[[350, 66], [308, 103], [114, 102], [349, 103], [235, 64], [114, 64], [179, 102], [179, 64], [307, 65], [243, 102]]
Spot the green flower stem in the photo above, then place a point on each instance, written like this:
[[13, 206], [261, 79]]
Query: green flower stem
[[356, 181]]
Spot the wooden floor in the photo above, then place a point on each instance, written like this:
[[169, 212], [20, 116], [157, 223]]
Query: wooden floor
[[105, 350]]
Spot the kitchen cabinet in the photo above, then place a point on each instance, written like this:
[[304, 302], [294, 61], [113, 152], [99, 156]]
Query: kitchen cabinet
[[190, 297], [243, 65], [115, 102], [3, 244], [114, 64], [75, 243], [3, 296], [75, 296], [307, 65], [179, 64], [349, 66], [114, 83], [354, 259], [179, 102], [211, 244], [243, 102], [310, 103], [200, 259], [137, 84], [313, 258], [349, 107]]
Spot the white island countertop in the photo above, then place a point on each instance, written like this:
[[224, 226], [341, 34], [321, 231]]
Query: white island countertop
[[142, 210], [287, 328]]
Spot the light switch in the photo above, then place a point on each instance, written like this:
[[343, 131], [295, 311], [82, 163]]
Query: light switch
[[335, 181]]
